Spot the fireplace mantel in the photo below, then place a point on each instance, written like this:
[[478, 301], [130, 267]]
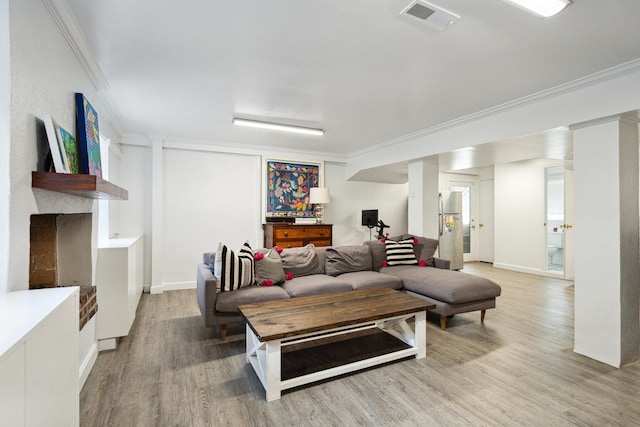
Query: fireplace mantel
[[89, 186]]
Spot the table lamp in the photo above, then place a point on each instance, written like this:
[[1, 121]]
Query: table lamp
[[319, 196]]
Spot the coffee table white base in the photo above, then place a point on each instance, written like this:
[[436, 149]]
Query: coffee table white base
[[265, 357]]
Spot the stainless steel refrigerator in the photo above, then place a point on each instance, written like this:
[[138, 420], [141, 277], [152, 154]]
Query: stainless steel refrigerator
[[450, 244]]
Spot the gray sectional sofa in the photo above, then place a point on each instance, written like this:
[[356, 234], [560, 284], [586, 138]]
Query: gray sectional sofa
[[320, 270]]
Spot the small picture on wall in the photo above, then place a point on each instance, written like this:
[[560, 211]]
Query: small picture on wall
[[287, 188], [58, 152], [88, 137]]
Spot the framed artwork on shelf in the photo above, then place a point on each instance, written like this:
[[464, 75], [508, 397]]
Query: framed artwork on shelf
[[70, 149], [287, 185], [88, 137], [56, 145]]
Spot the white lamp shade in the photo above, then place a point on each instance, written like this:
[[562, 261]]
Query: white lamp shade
[[319, 195]]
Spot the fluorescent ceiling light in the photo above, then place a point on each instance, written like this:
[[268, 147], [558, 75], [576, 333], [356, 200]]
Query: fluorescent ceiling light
[[277, 126], [544, 8]]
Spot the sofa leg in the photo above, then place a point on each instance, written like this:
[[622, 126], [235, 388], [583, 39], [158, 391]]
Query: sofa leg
[[223, 332], [482, 313], [443, 322]]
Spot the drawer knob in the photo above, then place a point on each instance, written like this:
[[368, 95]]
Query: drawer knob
[[286, 234]]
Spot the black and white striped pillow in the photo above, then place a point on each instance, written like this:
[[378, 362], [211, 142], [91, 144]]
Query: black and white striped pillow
[[400, 252], [232, 270]]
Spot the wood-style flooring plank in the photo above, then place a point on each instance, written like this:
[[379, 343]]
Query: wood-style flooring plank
[[518, 368]]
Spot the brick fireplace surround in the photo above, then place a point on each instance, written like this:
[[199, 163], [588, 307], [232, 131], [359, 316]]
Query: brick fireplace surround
[[50, 246]]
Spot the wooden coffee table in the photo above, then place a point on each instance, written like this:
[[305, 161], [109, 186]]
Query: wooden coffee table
[[302, 340]]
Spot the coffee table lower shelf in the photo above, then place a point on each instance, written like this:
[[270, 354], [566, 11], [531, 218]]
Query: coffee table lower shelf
[[291, 362]]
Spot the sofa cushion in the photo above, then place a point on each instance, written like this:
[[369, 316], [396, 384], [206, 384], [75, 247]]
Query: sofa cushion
[[450, 286], [425, 249], [371, 279], [228, 302], [314, 285], [400, 252], [269, 270], [234, 270], [301, 261], [378, 253], [347, 259]]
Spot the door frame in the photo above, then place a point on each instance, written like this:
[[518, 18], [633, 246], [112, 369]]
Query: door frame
[[486, 243], [470, 181]]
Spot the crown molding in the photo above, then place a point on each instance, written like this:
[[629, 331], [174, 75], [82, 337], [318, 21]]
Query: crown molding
[[598, 77], [191, 144], [66, 21]]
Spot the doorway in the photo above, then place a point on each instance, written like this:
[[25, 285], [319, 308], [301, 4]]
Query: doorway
[[558, 221], [469, 214]]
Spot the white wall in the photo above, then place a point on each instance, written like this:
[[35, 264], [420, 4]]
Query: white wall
[[135, 213], [5, 144], [350, 198], [520, 215], [208, 198], [211, 197], [45, 74]]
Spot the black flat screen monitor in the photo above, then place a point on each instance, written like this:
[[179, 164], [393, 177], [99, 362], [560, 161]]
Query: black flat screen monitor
[[370, 218]]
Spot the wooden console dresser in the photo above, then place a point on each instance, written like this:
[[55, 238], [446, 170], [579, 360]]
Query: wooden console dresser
[[296, 235]]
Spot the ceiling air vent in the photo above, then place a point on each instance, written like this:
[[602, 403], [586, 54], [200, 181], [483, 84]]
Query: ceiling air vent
[[430, 13]]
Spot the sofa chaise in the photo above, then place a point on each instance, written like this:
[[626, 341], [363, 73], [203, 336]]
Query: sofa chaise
[[318, 270]]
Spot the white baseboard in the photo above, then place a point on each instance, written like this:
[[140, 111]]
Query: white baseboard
[[528, 270], [155, 289], [87, 365], [177, 286], [517, 268], [172, 286]]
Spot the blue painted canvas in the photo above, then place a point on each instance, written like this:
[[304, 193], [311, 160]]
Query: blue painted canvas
[[88, 137]]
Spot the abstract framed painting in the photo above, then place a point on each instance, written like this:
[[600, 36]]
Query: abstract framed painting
[[56, 145], [287, 185], [88, 137]]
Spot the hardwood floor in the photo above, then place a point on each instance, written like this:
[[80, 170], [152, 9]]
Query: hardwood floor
[[516, 369]]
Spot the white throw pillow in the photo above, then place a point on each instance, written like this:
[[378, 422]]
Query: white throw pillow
[[400, 253], [232, 270]]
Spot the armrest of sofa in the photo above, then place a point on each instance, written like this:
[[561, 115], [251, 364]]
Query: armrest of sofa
[[207, 296], [444, 264]]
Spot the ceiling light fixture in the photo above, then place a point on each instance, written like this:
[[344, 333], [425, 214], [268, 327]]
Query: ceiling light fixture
[[277, 126], [543, 8]]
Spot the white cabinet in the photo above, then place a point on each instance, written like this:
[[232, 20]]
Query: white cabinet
[[39, 358], [12, 388], [119, 282]]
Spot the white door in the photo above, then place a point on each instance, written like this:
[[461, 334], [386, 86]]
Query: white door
[[568, 219], [469, 214], [486, 230]]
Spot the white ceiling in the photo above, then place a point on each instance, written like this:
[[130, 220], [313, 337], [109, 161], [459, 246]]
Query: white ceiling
[[355, 68]]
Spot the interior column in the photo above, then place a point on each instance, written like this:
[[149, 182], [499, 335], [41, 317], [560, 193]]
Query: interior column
[[423, 198], [607, 254]]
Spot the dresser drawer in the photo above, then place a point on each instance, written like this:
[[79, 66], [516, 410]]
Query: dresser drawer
[[298, 232], [317, 242], [289, 243], [291, 236]]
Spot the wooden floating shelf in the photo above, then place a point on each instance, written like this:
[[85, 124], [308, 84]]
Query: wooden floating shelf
[[89, 186]]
